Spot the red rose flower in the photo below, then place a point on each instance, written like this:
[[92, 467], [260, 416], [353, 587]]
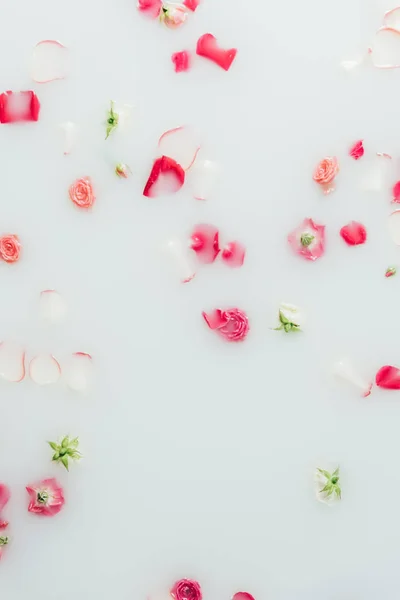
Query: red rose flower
[[186, 589], [10, 248], [231, 324]]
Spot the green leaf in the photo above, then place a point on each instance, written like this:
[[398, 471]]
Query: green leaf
[[64, 460], [53, 445], [65, 442], [282, 318], [74, 443]]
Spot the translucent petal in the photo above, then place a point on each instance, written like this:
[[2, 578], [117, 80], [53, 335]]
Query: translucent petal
[[394, 227], [52, 306], [375, 172], [44, 369], [70, 131], [203, 179], [344, 369], [49, 61], [183, 259], [385, 49], [12, 362], [392, 18], [181, 144], [79, 372]]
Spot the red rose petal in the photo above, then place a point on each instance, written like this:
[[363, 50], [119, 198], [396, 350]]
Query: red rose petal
[[205, 242], [207, 46], [354, 233], [216, 319], [388, 378], [166, 177], [242, 596], [191, 4], [233, 254], [19, 106], [4, 495], [181, 61], [396, 192], [357, 150], [151, 8]]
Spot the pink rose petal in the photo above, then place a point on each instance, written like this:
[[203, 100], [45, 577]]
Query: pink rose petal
[[233, 254], [216, 319], [354, 233], [385, 49], [392, 18], [205, 242], [181, 61], [231, 324], [151, 8], [4, 495], [78, 372], [166, 177], [207, 46], [12, 362], [180, 144], [191, 4], [242, 596], [49, 61], [19, 106], [388, 377], [44, 369], [396, 192], [357, 150], [308, 240]]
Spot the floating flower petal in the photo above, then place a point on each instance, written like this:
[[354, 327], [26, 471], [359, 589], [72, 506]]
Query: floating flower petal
[[181, 61], [233, 254], [354, 233], [81, 193], [173, 15], [357, 150], [205, 242], [203, 179], [52, 306], [242, 596], [10, 248], [231, 324], [49, 61], [291, 318], [166, 177], [327, 486], [180, 144], [390, 272], [46, 497], [392, 18], [191, 4], [70, 134], [12, 362], [385, 50], [65, 451], [308, 240], [19, 106], [388, 377], [44, 369], [375, 172], [325, 173], [207, 46], [79, 372], [396, 192], [344, 369], [186, 589], [183, 259], [151, 8], [4, 498], [394, 227]]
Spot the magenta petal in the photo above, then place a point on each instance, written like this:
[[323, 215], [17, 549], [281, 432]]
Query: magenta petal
[[19, 106], [388, 377], [396, 192], [242, 596], [166, 177], [357, 150], [4, 495], [216, 319], [205, 242], [151, 8], [233, 254], [354, 233]]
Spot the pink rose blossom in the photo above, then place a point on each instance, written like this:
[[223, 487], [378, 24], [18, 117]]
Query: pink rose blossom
[[308, 240], [46, 497], [357, 150], [231, 324], [173, 15], [81, 193], [10, 248], [186, 589], [242, 596], [326, 172]]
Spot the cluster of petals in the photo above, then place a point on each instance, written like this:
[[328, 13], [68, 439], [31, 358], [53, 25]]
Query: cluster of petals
[[308, 240], [205, 243], [232, 324], [46, 497], [10, 248], [186, 589], [81, 193], [172, 14], [325, 173]]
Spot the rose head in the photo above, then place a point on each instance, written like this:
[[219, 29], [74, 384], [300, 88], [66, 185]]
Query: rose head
[[46, 497], [231, 324], [186, 589], [10, 248], [173, 15], [81, 193], [325, 173]]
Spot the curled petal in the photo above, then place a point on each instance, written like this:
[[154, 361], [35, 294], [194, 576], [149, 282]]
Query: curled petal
[[46, 497], [49, 61], [385, 49], [52, 306], [19, 106], [151, 8], [207, 46], [183, 259], [392, 18], [12, 362], [344, 369], [181, 61], [205, 242], [191, 4], [394, 227], [44, 369], [396, 192], [79, 372], [242, 596], [357, 150], [231, 324], [233, 254], [308, 240], [166, 177], [354, 233], [388, 377], [203, 179], [70, 134], [181, 145]]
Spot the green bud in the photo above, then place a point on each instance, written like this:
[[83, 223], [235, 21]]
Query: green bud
[[306, 239]]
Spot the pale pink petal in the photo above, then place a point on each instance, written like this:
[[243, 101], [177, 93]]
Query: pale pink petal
[[203, 179], [375, 172], [52, 306], [344, 369], [392, 18], [183, 259], [308, 231], [394, 227], [181, 144], [44, 369], [385, 49], [354, 233], [78, 372], [388, 377], [233, 254], [205, 242], [70, 132], [12, 362], [216, 318], [49, 61], [242, 596]]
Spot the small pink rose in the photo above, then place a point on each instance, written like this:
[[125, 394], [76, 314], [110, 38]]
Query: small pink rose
[[186, 589], [308, 239], [81, 193], [326, 172], [231, 324], [10, 248], [173, 15], [46, 497]]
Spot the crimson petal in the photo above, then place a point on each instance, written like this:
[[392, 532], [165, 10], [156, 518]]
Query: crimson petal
[[205, 242], [388, 378], [357, 150], [181, 61], [207, 46], [19, 106], [216, 319], [191, 4], [354, 233], [167, 168], [396, 192], [152, 8]]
